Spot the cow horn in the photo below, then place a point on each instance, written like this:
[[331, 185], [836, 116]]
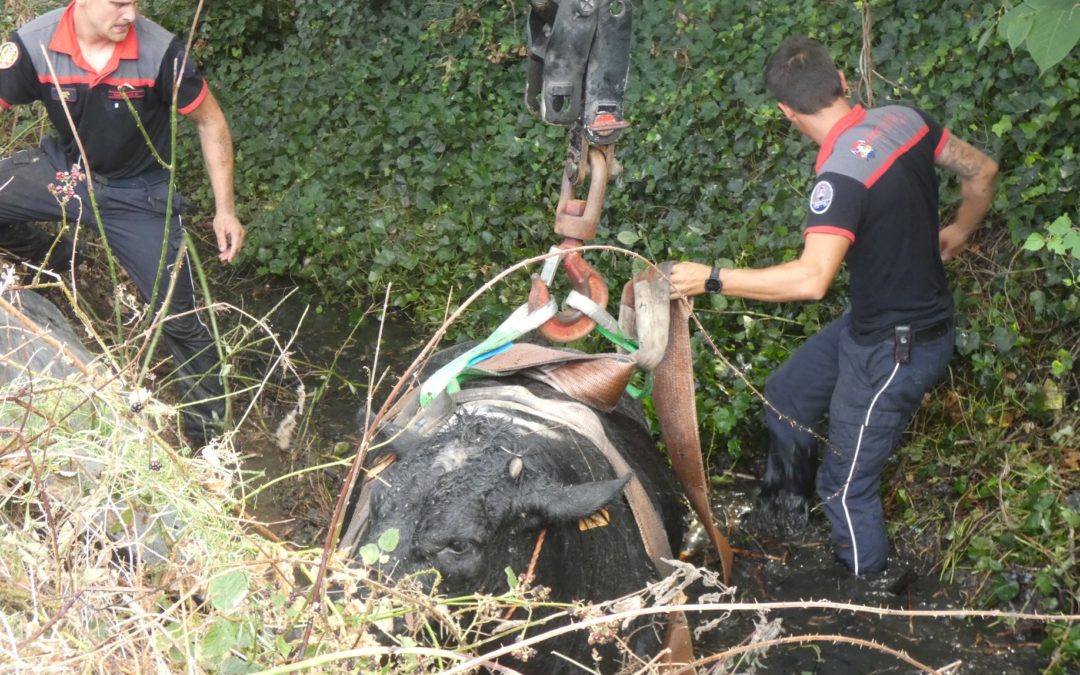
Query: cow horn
[[515, 468]]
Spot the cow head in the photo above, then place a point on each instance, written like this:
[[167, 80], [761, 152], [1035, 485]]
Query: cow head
[[471, 501]]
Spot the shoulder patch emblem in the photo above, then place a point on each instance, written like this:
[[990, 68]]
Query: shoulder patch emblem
[[821, 197], [862, 150], [9, 54]]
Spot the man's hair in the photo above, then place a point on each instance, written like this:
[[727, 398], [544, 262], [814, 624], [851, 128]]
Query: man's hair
[[801, 74]]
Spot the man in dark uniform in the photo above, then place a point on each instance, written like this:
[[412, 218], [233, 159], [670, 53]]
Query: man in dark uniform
[[875, 206], [97, 60]]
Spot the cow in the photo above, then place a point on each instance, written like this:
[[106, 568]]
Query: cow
[[472, 491]]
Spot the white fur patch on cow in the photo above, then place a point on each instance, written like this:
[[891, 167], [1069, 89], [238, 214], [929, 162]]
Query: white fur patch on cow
[[452, 457]]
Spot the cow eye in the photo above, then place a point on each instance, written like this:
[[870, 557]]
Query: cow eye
[[458, 547]]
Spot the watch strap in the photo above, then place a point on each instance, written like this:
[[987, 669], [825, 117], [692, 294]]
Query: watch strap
[[713, 283]]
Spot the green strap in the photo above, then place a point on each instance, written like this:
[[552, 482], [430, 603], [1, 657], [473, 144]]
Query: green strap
[[520, 322]]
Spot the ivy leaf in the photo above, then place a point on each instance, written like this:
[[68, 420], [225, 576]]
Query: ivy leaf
[[628, 238], [1071, 517], [388, 540], [227, 590], [1003, 338], [1060, 227], [1055, 29], [1002, 126], [1072, 243], [369, 554], [967, 341]]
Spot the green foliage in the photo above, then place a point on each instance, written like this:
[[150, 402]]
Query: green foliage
[[376, 552], [1062, 239], [1049, 29], [385, 144], [226, 591]]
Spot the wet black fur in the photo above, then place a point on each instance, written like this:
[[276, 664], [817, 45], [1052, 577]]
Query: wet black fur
[[474, 521]]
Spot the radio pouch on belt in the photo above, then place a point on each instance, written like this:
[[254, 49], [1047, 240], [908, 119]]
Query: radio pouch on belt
[[902, 343]]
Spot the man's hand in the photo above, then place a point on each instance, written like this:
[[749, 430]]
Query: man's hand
[[953, 240], [688, 279], [230, 236]]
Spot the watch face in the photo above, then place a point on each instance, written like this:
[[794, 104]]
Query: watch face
[[712, 284]]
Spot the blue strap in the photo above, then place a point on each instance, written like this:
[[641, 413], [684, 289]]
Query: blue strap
[[520, 322]]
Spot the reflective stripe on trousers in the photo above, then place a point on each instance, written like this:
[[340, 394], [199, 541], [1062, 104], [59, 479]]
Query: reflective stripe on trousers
[[868, 400]]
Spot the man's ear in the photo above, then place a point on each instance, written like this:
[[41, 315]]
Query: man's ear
[[788, 111]]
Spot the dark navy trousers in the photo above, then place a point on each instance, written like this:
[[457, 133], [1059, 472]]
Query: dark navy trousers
[[868, 399], [133, 217]]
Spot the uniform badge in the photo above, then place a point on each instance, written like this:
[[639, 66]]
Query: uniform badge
[[9, 54], [821, 197], [67, 93], [862, 150]]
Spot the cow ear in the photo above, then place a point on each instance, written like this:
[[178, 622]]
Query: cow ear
[[571, 502]]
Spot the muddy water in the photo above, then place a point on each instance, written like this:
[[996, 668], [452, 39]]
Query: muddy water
[[765, 571], [333, 356], [781, 571]]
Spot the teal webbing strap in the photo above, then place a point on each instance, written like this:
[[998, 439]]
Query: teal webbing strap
[[520, 322]]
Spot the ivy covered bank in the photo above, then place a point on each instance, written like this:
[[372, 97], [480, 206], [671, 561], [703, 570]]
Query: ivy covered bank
[[385, 143]]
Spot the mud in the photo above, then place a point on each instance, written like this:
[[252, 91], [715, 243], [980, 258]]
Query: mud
[[776, 571]]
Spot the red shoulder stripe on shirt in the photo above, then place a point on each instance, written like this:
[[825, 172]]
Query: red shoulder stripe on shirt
[[830, 229], [850, 119], [891, 159]]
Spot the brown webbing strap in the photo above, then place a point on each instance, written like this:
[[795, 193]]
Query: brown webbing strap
[[673, 399], [597, 380]]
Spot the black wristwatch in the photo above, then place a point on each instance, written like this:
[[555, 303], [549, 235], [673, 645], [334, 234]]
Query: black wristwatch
[[713, 283]]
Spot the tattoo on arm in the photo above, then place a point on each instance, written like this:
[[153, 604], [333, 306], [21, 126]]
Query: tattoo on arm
[[962, 159]]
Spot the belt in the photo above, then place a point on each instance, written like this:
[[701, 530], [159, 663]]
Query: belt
[[932, 332], [152, 177]]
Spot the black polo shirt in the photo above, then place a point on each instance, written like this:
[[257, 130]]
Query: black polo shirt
[[877, 186], [142, 69]]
